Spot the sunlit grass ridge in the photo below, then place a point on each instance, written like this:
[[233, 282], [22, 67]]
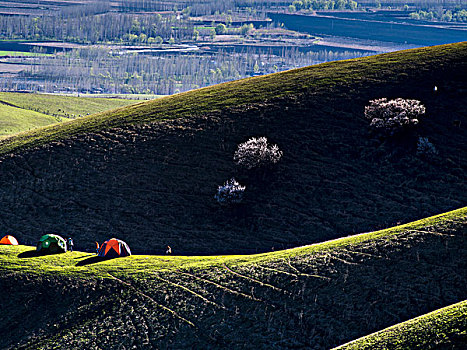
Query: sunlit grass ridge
[[141, 264], [435, 329], [241, 301]]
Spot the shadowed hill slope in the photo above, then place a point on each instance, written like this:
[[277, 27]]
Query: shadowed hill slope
[[441, 329], [148, 173], [312, 297]]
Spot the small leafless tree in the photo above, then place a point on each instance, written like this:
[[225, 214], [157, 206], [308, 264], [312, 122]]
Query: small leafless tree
[[425, 147]]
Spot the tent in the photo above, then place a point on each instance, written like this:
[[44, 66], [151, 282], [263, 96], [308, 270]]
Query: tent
[[114, 248], [51, 244], [9, 240]]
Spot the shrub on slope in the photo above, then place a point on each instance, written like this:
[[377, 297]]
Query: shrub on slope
[[394, 115]]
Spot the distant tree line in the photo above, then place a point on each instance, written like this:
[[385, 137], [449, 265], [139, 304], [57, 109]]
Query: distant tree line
[[108, 27], [199, 8], [419, 4], [85, 9], [297, 5], [102, 71], [456, 15]]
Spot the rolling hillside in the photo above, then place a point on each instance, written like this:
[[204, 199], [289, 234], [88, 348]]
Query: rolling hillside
[[147, 173], [21, 112], [62, 106], [313, 297], [14, 120], [441, 329]]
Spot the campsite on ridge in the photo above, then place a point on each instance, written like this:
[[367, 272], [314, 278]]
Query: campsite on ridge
[[317, 297]]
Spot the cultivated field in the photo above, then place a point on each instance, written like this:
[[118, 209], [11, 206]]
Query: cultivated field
[[410, 34], [24, 112]]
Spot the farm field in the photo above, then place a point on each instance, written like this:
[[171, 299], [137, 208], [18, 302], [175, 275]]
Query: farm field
[[411, 34], [20, 53], [317, 296], [24, 112], [134, 97]]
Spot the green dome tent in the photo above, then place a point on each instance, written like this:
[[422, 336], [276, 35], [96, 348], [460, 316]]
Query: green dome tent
[[51, 244]]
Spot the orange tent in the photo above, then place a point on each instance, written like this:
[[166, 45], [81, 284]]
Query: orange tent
[[9, 240], [114, 248]]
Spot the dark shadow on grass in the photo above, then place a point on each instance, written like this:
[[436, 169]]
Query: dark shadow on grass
[[34, 254], [83, 257], [91, 260]]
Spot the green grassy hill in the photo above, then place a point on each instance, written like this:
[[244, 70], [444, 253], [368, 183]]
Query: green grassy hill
[[313, 297], [441, 329], [147, 173], [62, 106], [14, 120], [24, 112]]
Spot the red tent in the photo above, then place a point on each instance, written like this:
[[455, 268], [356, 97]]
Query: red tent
[[114, 248], [9, 240]]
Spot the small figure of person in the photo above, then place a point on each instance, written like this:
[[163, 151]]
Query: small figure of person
[[70, 244], [97, 247], [169, 250]]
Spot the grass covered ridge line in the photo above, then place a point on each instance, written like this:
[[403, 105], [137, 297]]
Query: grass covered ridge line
[[65, 264], [311, 80], [435, 330], [308, 297]]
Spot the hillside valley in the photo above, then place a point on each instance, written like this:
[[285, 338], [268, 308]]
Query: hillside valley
[[148, 173], [360, 237]]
